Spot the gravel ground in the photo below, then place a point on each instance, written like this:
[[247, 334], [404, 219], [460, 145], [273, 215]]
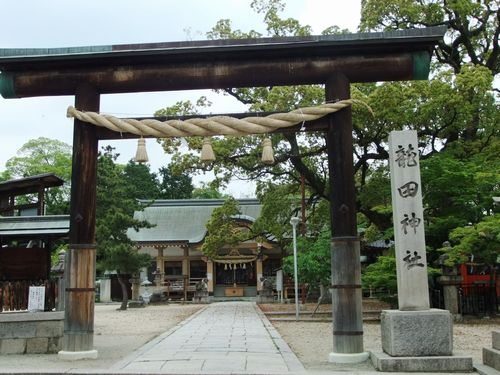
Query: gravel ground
[[119, 333], [313, 341], [116, 335]]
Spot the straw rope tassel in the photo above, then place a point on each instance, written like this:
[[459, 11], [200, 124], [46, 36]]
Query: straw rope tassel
[[207, 153], [267, 151], [141, 156]]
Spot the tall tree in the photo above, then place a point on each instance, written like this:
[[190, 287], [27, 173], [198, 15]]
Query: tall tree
[[141, 183], [44, 155], [456, 109], [174, 184], [114, 216], [473, 27]]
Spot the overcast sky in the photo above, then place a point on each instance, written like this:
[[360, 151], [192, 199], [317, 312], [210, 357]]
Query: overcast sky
[[63, 23]]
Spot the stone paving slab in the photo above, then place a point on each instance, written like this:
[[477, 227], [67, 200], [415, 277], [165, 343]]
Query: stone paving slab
[[222, 338]]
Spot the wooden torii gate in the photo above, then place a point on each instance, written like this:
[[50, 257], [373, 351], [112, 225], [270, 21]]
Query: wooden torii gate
[[336, 61]]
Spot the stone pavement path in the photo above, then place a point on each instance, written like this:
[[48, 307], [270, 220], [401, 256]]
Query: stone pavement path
[[223, 338]]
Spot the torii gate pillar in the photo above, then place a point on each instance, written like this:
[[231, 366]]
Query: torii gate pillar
[[80, 259], [346, 267]]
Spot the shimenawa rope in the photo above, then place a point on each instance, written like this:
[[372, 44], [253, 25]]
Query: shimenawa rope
[[210, 126]]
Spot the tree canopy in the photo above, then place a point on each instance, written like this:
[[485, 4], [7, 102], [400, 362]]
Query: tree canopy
[[39, 156], [455, 114]]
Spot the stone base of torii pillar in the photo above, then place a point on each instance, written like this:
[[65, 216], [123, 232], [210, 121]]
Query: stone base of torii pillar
[[418, 341]]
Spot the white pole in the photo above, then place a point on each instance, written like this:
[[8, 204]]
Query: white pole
[[294, 221]]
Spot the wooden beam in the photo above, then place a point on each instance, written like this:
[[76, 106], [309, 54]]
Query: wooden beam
[[346, 267], [212, 74], [80, 258]]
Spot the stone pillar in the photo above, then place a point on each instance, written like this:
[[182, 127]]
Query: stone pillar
[[415, 337], [259, 270], [408, 218], [105, 290], [136, 284], [159, 276], [58, 270], [450, 285]]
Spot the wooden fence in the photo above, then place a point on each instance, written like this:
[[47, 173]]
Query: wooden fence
[[14, 294]]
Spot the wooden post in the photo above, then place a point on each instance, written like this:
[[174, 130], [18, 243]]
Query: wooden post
[[346, 267], [80, 258]]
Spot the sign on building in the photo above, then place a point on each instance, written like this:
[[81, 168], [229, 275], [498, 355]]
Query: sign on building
[[407, 211]]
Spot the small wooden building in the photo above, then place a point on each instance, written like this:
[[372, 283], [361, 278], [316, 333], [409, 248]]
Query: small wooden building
[[176, 239], [26, 234]]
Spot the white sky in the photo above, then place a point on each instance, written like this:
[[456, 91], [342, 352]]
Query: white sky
[[63, 23]]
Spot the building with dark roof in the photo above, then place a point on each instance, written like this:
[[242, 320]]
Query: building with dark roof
[[175, 240]]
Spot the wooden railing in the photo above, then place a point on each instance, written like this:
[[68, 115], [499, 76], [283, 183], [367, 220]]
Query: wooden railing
[[14, 294]]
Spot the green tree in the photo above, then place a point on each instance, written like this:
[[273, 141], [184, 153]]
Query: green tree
[[473, 27], [458, 189], [44, 155], [175, 184], [140, 181], [382, 275], [114, 216], [313, 260], [455, 114], [206, 191], [223, 229], [479, 242]]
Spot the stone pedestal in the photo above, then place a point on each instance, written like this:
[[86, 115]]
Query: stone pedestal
[[417, 333], [201, 296], [491, 356], [265, 296], [418, 341]]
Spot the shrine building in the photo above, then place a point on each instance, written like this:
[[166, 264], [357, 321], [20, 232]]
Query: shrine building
[[175, 241]]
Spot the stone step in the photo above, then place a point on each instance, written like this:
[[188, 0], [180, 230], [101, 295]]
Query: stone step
[[384, 362], [491, 357], [495, 338], [317, 313], [485, 370], [317, 319]]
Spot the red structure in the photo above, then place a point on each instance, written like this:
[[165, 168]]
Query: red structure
[[478, 274]]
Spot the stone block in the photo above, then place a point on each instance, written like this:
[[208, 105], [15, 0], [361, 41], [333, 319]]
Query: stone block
[[54, 345], [12, 346], [50, 329], [417, 333], [491, 357], [17, 330], [384, 362], [495, 338], [37, 345]]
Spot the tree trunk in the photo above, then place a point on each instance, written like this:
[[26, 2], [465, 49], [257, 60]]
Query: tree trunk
[[124, 292]]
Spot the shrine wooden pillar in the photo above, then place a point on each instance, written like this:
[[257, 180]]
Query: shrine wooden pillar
[[81, 256], [345, 263]]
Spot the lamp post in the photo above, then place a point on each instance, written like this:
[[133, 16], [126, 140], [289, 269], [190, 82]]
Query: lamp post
[[294, 221]]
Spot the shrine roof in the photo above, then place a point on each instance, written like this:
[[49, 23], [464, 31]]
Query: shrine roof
[[28, 185], [31, 226], [387, 41], [184, 220]]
